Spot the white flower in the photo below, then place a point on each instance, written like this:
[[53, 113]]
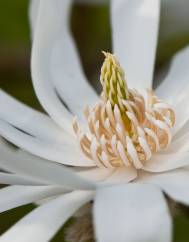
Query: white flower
[[129, 204]]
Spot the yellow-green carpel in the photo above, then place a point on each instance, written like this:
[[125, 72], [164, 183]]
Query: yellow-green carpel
[[114, 85]]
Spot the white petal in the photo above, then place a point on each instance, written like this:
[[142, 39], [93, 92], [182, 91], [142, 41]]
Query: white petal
[[180, 144], [31, 121], [55, 67], [68, 76], [184, 130], [121, 175], [66, 153], [92, 1], [12, 179], [42, 223], [41, 170], [166, 162], [181, 108], [95, 174], [174, 183], [41, 72], [14, 196], [132, 213], [173, 87], [33, 13], [135, 27]]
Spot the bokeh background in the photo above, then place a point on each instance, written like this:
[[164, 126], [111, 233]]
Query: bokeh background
[[91, 27]]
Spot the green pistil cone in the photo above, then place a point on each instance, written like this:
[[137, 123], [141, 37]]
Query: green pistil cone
[[114, 85]]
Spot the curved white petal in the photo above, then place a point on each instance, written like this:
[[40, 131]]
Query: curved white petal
[[31, 121], [180, 144], [14, 179], [174, 183], [173, 87], [67, 73], [41, 70], [55, 69], [41, 170], [166, 162], [43, 222], [66, 153], [135, 27], [15, 196], [132, 213], [181, 108], [33, 13], [184, 130]]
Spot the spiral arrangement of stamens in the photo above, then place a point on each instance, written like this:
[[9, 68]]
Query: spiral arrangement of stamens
[[124, 129]]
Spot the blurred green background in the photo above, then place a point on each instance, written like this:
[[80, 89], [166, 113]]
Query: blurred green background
[[91, 28]]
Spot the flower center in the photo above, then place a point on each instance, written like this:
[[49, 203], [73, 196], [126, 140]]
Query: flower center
[[124, 128]]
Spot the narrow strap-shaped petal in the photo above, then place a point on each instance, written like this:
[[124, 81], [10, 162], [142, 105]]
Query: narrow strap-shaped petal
[[31, 121], [174, 183], [68, 154], [12, 179], [132, 213], [33, 13], [41, 69], [55, 69], [68, 76], [135, 29], [34, 7], [15, 196], [42, 223], [41, 170]]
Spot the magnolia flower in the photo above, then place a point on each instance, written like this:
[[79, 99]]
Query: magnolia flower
[[130, 150]]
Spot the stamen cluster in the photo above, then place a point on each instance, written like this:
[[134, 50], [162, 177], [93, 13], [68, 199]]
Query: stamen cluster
[[124, 129]]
